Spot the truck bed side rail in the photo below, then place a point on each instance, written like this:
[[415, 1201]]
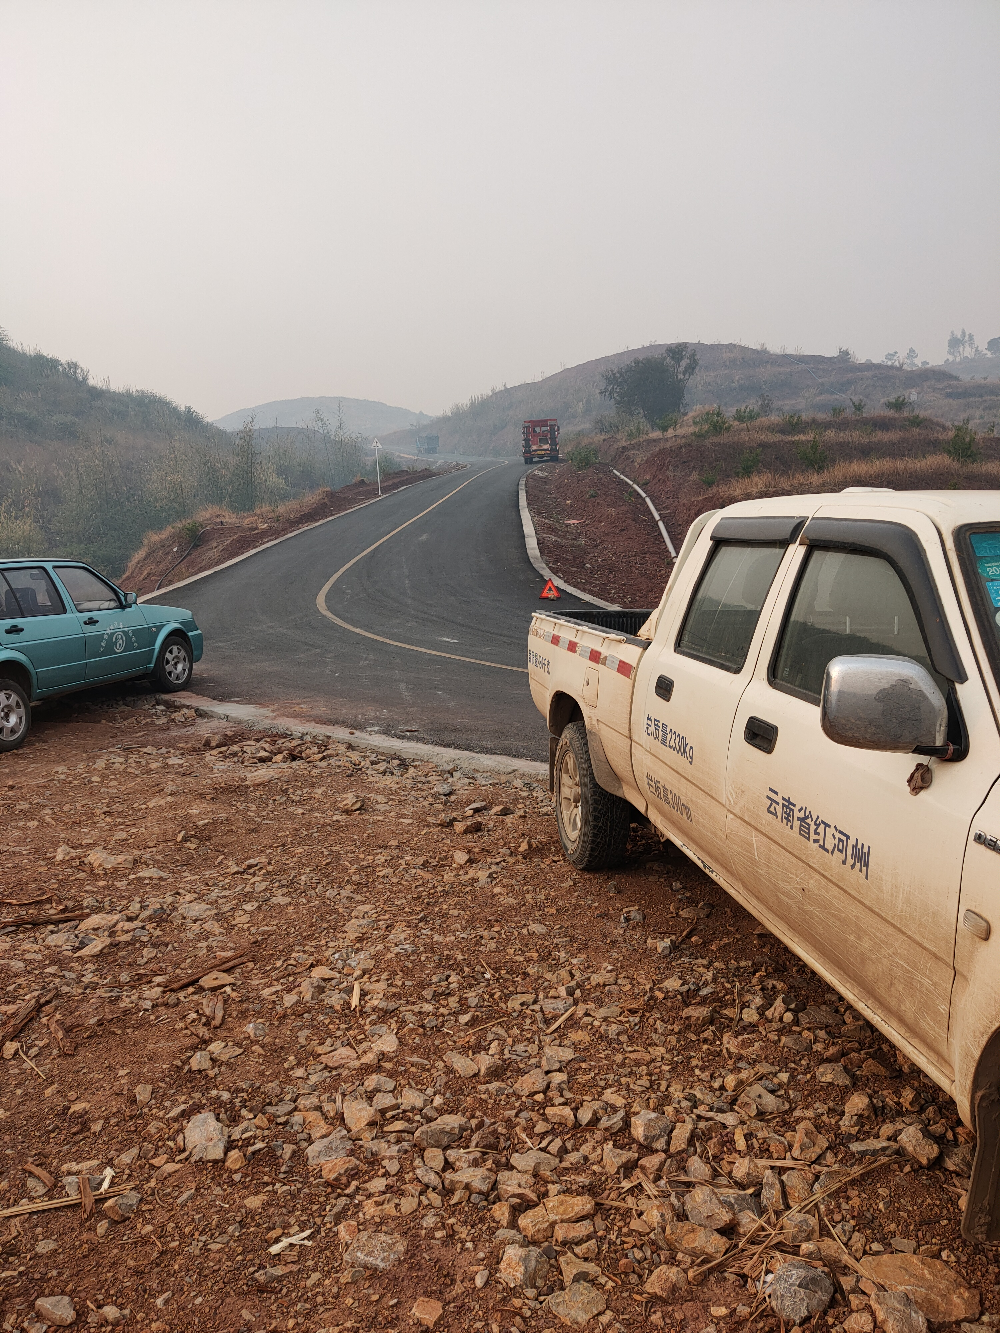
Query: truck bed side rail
[[616, 622]]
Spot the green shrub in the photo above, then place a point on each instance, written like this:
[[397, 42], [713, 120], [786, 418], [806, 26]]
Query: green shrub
[[709, 478], [837, 411], [793, 420], [898, 404], [744, 415], [961, 448], [584, 456], [813, 454], [669, 422], [591, 495], [749, 463], [858, 404], [713, 421]]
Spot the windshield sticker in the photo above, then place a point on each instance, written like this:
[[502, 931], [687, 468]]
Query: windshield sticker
[[993, 588], [667, 797], [826, 837], [669, 739]]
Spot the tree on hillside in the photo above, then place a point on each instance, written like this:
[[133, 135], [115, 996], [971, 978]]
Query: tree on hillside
[[652, 386]]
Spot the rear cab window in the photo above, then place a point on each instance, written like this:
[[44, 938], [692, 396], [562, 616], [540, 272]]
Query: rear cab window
[[724, 611], [29, 591]]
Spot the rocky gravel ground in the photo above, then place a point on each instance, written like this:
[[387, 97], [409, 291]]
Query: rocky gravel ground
[[313, 1039]]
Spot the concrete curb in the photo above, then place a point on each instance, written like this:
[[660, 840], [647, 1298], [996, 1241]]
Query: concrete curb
[[259, 718], [652, 510], [535, 556], [288, 535]]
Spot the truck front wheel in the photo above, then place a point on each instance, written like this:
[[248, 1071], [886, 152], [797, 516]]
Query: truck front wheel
[[593, 825]]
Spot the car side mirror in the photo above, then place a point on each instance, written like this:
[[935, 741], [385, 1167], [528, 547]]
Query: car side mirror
[[131, 598], [882, 703]]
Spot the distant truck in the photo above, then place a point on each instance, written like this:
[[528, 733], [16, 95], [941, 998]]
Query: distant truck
[[427, 444], [541, 440]]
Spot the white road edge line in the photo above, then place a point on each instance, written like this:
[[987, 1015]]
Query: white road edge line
[[257, 717], [288, 535], [535, 556], [652, 510]]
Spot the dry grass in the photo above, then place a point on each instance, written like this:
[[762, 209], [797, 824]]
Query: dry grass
[[935, 472]]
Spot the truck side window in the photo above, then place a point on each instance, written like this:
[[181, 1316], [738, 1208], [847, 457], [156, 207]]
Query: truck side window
[[724, 611], [845, 604]]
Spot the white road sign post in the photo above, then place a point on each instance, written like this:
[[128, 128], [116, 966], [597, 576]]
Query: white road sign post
[[378, 473]]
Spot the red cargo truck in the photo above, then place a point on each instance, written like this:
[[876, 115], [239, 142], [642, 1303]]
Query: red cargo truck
[[541, 440]]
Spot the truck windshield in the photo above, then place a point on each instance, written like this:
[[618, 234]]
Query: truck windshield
[[986, 592]]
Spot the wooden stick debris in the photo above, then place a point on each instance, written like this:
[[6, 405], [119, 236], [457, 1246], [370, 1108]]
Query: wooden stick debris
[[44, 1205], [560, 1021], [36, 1171], [30, 1062], [43, 920], [86, 1195], [217, 965], [24, 1015]]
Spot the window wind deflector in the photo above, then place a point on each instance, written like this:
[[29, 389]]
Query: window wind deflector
[[902, 548], [775, 530]]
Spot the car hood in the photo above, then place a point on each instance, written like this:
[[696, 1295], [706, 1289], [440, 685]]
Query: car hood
[[159, 615]]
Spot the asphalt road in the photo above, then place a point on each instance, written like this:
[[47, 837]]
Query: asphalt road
[[455, 582]]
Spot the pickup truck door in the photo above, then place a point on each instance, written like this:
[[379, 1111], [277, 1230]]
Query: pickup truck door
[[692, 676], [857, 874], [119, 641]]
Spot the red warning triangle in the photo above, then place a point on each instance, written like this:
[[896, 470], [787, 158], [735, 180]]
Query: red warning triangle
[[550, 591]]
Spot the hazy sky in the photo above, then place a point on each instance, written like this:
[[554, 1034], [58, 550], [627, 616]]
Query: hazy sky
[[237, 202]]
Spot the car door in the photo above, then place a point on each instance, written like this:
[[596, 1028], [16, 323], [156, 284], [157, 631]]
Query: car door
[[37, 622], [118, 639], [858, 873], [692, 677]]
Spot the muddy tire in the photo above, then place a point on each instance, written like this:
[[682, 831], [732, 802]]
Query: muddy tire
[[593, 825], [15, 715], [174, 665]]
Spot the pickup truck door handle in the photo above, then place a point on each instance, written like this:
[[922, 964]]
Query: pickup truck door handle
[[664, 687], [14, 629], [91, 620], [979, 926], [760, 734]]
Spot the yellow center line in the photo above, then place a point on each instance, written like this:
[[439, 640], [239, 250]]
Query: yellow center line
[[324, 610]]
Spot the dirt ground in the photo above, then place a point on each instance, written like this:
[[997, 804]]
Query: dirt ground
[[596, 534], [481, 1090]]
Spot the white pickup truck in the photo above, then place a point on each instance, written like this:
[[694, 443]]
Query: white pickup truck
[[811, 715]]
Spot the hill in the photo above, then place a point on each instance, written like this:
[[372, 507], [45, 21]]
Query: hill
[[359, 415], [729, 375], [86, 470]]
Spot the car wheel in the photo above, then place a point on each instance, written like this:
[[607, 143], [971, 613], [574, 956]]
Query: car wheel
[[593, 824], [173, 665], [15, 715]]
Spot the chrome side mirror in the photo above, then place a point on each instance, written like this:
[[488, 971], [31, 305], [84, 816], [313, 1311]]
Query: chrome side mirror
[[131, 598], [882, 703]]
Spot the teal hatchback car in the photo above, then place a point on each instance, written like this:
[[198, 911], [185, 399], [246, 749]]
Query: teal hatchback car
[[64, 627]]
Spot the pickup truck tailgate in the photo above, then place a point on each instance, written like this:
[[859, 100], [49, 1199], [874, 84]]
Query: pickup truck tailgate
[[573, 661]]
